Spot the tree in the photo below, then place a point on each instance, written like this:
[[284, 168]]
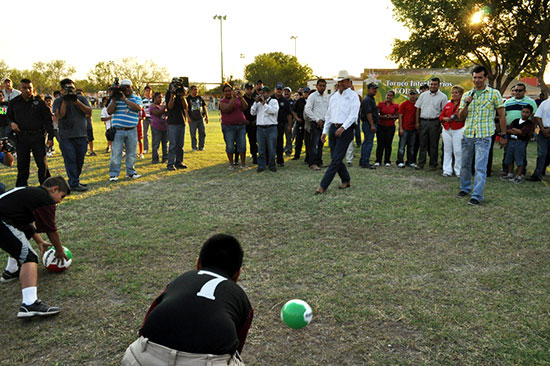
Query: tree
[[141, 74], [278, 67], [507, 39]]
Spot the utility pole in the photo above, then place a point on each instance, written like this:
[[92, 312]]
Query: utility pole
[[221, 18]]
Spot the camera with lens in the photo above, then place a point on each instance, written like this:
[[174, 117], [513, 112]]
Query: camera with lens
[[7, 145], [70, 93], [116, 90], [259, 98], [178, 85]]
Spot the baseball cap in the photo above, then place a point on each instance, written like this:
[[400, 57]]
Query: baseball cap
[[307, 90], [287, 88], [372, 86], [126, 82], [266, 89], [413, 91], [247, 85], [279, 85]]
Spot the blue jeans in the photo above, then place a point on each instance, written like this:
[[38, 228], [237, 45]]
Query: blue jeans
[[267, 143], [315, 145], [407, 140], [234, 134], [543, 146], [368, 143], [194, 126], [130, 141], [158, 138], [74, 151], [338, 148], [176, 138], [146, 125], [481, 146]]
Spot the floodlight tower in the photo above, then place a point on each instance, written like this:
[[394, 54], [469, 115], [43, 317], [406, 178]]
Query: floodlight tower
[[221, 18]]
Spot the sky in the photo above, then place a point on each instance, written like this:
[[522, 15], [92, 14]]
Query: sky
[[183, 36]]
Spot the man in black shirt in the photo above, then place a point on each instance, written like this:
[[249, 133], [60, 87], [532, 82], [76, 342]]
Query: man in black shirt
[[177, 115], [197, 117], [19, 209], [298, 112], [369, 116], [284, 119], [30, 118], [203, 315], [251, 122]]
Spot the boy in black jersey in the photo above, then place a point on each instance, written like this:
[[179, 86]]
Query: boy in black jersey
[[19, 209], [202, 317], [519, 132]]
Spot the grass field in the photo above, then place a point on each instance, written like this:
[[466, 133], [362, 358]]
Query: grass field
[[397, 270]]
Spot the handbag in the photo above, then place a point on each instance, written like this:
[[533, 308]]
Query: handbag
[[110, 134]]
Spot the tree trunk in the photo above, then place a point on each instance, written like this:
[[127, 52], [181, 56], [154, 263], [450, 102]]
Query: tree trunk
[[540, 76]]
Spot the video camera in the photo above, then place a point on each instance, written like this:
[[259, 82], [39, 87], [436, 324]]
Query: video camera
[[70, 93], [178, 84], [7, 145], [116, 90]]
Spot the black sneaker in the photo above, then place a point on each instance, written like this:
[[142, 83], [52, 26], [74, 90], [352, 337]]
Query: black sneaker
[[37, 308], [533, 179], [9, 276], [181, 166], [259, 170], [273, 169], [461, 194], [473, 202]]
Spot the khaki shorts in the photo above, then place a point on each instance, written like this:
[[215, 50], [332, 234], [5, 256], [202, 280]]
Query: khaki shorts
[[146, 353]]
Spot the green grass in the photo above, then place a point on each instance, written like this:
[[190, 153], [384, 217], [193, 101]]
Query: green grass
[[397, 270]]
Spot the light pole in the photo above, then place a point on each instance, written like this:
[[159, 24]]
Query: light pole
[[242, 58], [294, 38], [221, 18]]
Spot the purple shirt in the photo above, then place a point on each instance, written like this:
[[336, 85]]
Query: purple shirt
[[236, 116], [159, 123]]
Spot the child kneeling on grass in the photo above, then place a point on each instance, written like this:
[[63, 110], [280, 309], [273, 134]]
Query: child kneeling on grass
[[19, 209], [519, 132]]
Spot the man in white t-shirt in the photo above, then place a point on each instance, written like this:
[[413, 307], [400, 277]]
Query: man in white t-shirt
[[542, 119], [106, 118]]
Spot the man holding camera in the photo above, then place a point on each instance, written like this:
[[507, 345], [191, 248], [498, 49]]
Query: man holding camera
[[124, 107], [177, 114], [30, 118], [6, 157], [72, 111]]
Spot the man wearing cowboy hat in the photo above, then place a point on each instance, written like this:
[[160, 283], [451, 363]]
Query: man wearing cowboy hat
[[341, 115]]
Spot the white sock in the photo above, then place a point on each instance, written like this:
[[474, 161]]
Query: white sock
[[12, 265], [29, 295]]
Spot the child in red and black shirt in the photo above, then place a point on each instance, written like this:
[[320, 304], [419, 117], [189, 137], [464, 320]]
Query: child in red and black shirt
[[519, 132]]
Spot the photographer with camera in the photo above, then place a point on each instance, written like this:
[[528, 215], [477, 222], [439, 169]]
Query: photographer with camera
[[177, 115], [72, 111], [124, 107], [30, 118]]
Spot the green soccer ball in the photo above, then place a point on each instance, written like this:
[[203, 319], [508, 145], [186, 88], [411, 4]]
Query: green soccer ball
[[296, 314]]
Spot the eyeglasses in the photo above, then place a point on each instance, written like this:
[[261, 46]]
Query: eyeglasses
[[519, 90]]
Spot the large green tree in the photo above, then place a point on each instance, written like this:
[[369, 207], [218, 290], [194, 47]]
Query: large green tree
[[508, 38], [45, 76], [278, 67]]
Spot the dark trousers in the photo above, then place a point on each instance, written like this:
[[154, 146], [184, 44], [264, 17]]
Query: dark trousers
[[430, 130], [406, 141], [158, 138], [299, 140], [280, 143], [251, 131], [384, 139], [74, 151], [24, 145], [338, 148], [543, 148], [315, 145]]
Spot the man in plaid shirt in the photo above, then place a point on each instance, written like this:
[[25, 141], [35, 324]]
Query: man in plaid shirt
[[479, 107]]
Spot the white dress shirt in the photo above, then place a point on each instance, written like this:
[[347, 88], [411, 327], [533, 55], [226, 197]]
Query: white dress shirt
[[266, 113], [431, 104], [342, 109], [316, 107], [543, 112], [11, 95]]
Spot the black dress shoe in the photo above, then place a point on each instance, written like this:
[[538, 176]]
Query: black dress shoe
[[181, 166], [273, 168], [259, 170], [83, 184], [534, 179], [79, 188]]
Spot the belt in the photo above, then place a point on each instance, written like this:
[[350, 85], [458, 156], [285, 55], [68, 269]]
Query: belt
[[430, 119], [337, 125], [266, 126], [124, 128], [31, 132]]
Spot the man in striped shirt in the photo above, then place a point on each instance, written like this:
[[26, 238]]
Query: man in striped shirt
[[479, 107], [125, 111]]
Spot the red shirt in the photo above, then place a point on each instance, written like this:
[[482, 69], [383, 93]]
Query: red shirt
[[236, 116], [385, 108], [408, 110], [450, 109]]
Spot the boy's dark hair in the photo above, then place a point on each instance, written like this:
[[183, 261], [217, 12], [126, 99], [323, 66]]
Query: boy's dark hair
[[65, 82], [479, 69], [25, 81], [528, 106], [436, 79], [222, 251], [56, 93], [156, 94], [58, 182]]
